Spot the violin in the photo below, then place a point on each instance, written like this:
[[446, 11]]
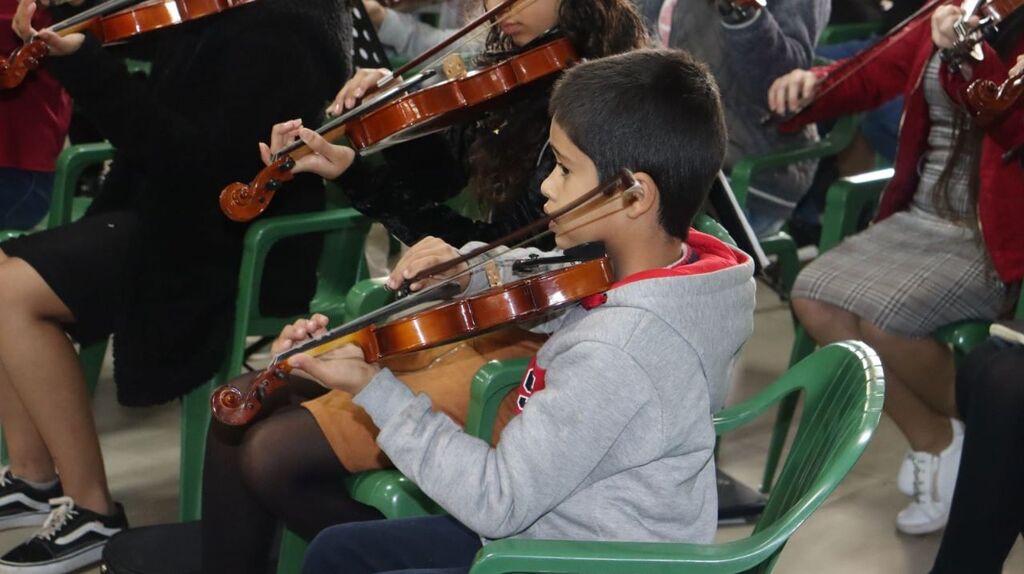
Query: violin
[[450, 321], [968, 44], [111, 22], [400, 114], [987, 100]]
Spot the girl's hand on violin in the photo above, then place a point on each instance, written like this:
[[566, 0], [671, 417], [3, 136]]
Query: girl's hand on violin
[[1018, 68], [363, 82], [327, 160], [428, 252], [58, 45], [344, 368], [943, 20], [299, 332], [789, 93]]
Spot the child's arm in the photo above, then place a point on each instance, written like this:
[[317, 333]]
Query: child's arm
[[593, 392], [777, 39]]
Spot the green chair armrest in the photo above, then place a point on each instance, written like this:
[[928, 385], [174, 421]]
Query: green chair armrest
[[70, 165], [572, 557], [11, 234], [839, 33], [390, 492], [846, 201], [366, 296], [490, 385], [963, 336], [743, 170]]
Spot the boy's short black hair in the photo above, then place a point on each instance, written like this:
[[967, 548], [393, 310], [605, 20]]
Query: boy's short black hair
[[655, 111]]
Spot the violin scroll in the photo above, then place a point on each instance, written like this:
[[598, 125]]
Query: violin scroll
[[242, 202], [22, 61], [988, 100], [233, 407]]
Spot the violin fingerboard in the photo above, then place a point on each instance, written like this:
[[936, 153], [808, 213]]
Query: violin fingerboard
[[367, 49]]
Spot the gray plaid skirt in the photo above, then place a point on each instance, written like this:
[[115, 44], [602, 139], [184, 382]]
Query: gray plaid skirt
[[909, 275]]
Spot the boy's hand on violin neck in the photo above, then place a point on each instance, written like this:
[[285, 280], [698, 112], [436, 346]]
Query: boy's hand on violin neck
[[426, 253], [362, 82], [344, 368], [789, 93], [58, 46], [300, 331], [943, 19], [327, 160]]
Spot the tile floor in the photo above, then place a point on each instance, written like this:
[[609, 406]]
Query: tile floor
[[852, 532]]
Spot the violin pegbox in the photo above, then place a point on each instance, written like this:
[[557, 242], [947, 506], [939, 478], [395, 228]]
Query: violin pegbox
[[21, 61], [242, 202]]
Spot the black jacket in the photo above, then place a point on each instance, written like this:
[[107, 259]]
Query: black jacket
[[216, 88]]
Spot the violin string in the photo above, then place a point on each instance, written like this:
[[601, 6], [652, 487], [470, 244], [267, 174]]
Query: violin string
[[98, 10]]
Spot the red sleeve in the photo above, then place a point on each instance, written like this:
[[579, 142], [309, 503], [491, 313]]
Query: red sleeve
[[852, 86]]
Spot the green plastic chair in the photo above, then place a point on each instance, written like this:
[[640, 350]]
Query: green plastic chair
[[849, 202], [839, 33], [843, 390]]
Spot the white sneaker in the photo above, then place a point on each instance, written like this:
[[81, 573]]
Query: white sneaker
[[905, 478], [934, 480]]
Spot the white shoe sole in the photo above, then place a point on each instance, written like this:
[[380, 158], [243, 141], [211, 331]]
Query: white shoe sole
[[24, 520], [919, 529], [85, 557]]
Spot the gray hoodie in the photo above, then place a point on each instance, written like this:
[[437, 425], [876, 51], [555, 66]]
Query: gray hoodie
[[618, 444]]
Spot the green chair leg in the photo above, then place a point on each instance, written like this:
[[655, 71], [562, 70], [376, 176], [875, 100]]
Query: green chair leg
[[293, 549], [803, 345], [91, 358], [195, 420]]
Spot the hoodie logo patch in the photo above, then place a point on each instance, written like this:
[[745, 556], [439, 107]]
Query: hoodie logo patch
[[533, 381]]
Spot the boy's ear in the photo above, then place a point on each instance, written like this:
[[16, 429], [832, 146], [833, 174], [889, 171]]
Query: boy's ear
[[644, 199]]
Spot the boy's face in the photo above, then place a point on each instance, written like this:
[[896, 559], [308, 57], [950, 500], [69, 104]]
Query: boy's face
[[574, 175], [528, 19]]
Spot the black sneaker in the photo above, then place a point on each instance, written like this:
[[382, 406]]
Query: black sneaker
[[21, 504], [71, 538]]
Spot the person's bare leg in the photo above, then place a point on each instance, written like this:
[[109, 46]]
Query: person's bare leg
[[925, 365], [43, 371], [926, 429], [826, 323]]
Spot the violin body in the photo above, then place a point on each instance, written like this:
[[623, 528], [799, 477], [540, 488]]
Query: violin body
[[486, 311], [413, 115]]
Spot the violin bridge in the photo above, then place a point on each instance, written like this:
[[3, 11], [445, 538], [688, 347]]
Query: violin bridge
[[492, 273], [454, 67]]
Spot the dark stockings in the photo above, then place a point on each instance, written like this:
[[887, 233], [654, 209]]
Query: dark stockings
[[988, 504], [280, 469]]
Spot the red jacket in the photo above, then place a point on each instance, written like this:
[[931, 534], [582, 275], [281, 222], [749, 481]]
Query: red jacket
[[899, 68], [34, 117]]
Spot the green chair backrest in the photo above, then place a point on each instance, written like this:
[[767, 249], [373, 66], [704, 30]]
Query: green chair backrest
[[843, 390]]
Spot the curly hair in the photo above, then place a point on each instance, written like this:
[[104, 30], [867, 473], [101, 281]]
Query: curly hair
[[507, 141]]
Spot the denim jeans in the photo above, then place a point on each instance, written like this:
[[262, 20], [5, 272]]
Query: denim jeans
[[426, 545], [24, 197]]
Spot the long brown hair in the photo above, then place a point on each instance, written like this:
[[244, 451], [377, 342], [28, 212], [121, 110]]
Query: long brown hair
[[504, 153], [967, 140]]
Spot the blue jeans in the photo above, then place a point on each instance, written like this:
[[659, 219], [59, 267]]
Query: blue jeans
[[426, 545], [24, 197]]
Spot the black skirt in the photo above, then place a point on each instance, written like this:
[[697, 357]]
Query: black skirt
[[84, 263]]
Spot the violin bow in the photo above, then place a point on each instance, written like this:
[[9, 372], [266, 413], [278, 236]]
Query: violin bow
[[849, 67]]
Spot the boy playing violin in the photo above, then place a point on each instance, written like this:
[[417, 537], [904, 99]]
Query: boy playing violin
[[614, 440]]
